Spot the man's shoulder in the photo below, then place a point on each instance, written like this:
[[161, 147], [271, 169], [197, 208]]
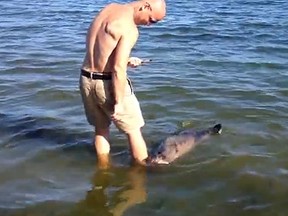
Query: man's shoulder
[[123, 26], [118, 20]]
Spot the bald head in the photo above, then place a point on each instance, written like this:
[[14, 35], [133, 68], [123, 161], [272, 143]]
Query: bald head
[[158, 8], [149, 11]]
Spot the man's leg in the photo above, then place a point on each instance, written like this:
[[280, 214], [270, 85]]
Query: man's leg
[[137, 145], [102, 147]]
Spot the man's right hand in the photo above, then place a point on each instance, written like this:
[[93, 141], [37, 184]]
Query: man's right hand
[[135, 61]]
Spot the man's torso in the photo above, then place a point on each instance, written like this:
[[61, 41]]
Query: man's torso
[[105, 31]]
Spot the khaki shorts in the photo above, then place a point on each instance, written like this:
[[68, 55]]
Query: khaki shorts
[[98, 99]]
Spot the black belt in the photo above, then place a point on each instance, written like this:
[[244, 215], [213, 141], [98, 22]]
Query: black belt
[[96, 75]]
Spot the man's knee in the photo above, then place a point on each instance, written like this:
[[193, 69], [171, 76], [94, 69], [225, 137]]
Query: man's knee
[[102, 132], [101, 141]]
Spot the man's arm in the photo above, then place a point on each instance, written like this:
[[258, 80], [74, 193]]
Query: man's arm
[[122, 53]]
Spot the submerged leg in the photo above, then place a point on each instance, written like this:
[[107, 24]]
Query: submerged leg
[[137, 145], [102, 147]]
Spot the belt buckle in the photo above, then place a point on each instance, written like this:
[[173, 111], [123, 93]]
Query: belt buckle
[[91, 75]]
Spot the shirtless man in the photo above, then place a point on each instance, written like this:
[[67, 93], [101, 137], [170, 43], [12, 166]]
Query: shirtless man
[[107, 93]]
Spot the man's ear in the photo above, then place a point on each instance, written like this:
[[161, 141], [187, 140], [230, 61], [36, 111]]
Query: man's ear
[[145, 6]]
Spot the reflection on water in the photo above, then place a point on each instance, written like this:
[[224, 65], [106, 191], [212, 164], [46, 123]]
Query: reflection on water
[[114, 191]]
